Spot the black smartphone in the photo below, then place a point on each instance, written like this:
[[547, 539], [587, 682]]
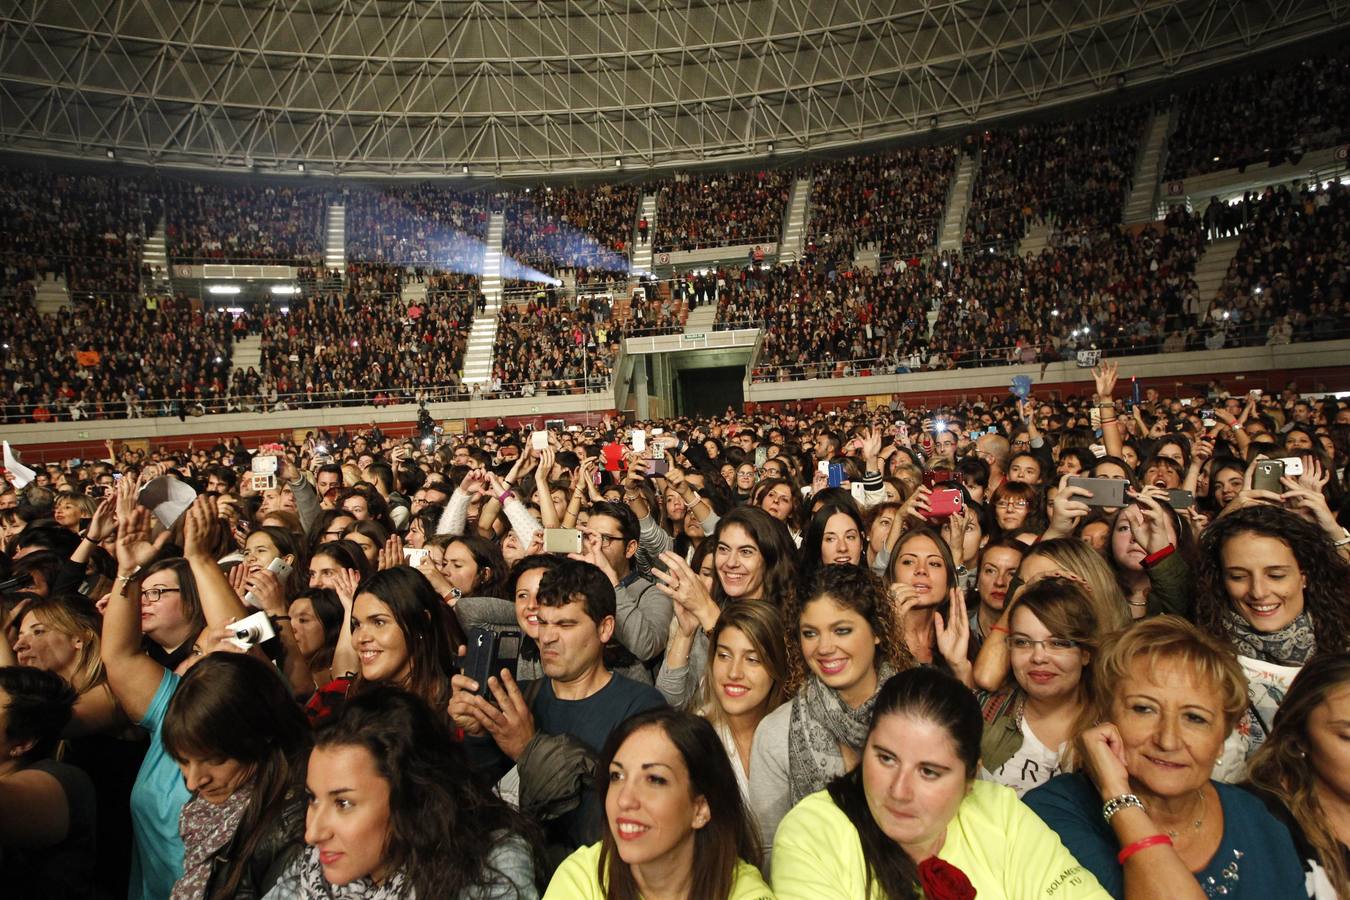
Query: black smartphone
[[1105, 491], [490, 652], [1267, 474]]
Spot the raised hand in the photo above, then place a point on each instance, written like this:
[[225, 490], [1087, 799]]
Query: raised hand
[[953, 635], [1105, 376], [391, 554], [682, 584]]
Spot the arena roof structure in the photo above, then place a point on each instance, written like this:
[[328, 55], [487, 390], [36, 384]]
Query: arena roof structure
[[420, 88]]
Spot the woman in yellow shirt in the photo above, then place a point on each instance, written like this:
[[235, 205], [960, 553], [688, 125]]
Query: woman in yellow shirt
[[677, 826], [911, 821]]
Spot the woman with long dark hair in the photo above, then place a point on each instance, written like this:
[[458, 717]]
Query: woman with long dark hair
[[911, 821], [676, 824], [392, 813], [834, 536], [1303, 772], [240, 741]]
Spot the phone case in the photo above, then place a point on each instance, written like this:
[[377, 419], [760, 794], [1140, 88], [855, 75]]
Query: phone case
[[1267, 475]]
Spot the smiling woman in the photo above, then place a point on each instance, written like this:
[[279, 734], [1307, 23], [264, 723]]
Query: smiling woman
[[677, 825]]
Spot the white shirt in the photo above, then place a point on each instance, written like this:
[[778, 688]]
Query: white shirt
[[1032, 765]]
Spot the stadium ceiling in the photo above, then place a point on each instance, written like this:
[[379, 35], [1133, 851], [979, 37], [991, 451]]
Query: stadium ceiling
[[380, 88]]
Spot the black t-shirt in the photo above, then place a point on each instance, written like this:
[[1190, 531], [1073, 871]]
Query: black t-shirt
[[591, 720]]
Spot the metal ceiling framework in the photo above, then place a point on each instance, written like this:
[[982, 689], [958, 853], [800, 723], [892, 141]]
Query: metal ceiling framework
[[421, 88]]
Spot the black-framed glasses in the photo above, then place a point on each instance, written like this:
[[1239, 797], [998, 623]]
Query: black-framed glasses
[[153, 595], [1020, 643], [607, 539]]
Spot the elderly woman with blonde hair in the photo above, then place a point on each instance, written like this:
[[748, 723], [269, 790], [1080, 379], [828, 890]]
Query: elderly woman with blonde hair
[[1166, 696]]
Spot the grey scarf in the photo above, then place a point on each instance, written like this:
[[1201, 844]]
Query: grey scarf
[[820, 722], [207, 829], [314, 885], [1292, 645]]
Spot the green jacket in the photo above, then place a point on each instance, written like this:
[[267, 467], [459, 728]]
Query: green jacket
[[1002, 726]]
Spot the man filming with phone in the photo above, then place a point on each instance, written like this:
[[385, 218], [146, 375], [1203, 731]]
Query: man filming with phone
[[553, 728]]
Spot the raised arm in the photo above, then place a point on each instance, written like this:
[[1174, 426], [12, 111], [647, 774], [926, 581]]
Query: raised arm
[[220, 604], [133, 676], [1105, 376]]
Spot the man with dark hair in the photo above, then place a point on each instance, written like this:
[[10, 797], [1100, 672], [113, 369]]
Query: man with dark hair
[[328, 484], [643, 611], [221, 480], [554, 728]]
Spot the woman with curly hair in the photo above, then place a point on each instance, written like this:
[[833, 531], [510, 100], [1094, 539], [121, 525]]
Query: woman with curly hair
[[1303, 772], [842, 646], [1273, 583]]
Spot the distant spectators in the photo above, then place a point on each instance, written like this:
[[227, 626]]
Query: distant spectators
[[422, 225], [1261, 117], [1290, 278], [584, 230], [243, 223], [894, 200], [87, 229], [542, 350], [112, 358], [1069, 174], [709, 209]]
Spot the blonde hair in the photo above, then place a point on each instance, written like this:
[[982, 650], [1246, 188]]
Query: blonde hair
[[1103, 591], [80, 623], [1175, 640]]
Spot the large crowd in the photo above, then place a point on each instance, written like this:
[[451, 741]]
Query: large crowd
[[703, 209], [229, 223], [549, 348], [422, 226], [1261, 116], [893, 201], [585, 231], [1088, 646], [1070, 174]]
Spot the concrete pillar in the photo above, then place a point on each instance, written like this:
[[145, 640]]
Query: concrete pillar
[[640, 386]]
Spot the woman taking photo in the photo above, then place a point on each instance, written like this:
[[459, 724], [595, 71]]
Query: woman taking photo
[[911, 821], [1167, 695], [391, 814], [676, 825], [745, 677], [841, 647], [1303, 774], [1030, 722]]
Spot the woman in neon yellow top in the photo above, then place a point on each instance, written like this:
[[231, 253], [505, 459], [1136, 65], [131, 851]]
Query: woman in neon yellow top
[[911, 821], [677, 825]]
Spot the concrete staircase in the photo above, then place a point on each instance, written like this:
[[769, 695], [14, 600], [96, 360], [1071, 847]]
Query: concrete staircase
[[335, 239], [155, 254], [50, 294], [1212, 269], [794, 231], [700, 320], [478, 354], [1139, 205], [868, 257], [642, 253], [413, 291], [247, 355], [958, 203], [1035, 240]]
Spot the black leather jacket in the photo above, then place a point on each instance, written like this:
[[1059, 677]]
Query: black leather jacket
[[276, 849]]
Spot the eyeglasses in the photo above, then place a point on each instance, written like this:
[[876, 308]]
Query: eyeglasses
[[1011, 504], [153, 595], [606, 539], [1022, 644]]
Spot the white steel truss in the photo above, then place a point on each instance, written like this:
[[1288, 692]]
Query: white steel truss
[[425, 87]]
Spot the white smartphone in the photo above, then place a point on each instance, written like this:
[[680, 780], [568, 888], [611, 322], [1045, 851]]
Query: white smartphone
[[539, 440], [1293, 465], [278, 567], [639, 440], [415, 555]]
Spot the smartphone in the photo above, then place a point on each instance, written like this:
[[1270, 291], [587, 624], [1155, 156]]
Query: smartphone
[[1180, 499], [639, 440], [944, 503], [823, 467], [761, 454], [1293, 465], [489, 653], [278, 567], [539, 440], [1267, 475], [859, 492], [1105, 491], [658, 466], [562, 540], [264, 470], [657, 432], [836, 475], [415, 555]]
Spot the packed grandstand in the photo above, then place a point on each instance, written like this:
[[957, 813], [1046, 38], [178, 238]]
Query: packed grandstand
[[471, 627]]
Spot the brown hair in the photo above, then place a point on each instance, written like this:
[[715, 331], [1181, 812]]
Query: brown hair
[[762, 625], [74, 616]]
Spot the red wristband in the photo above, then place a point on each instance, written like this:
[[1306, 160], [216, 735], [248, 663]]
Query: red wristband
[[999, 628], [1144, 844], [1154, 558]]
